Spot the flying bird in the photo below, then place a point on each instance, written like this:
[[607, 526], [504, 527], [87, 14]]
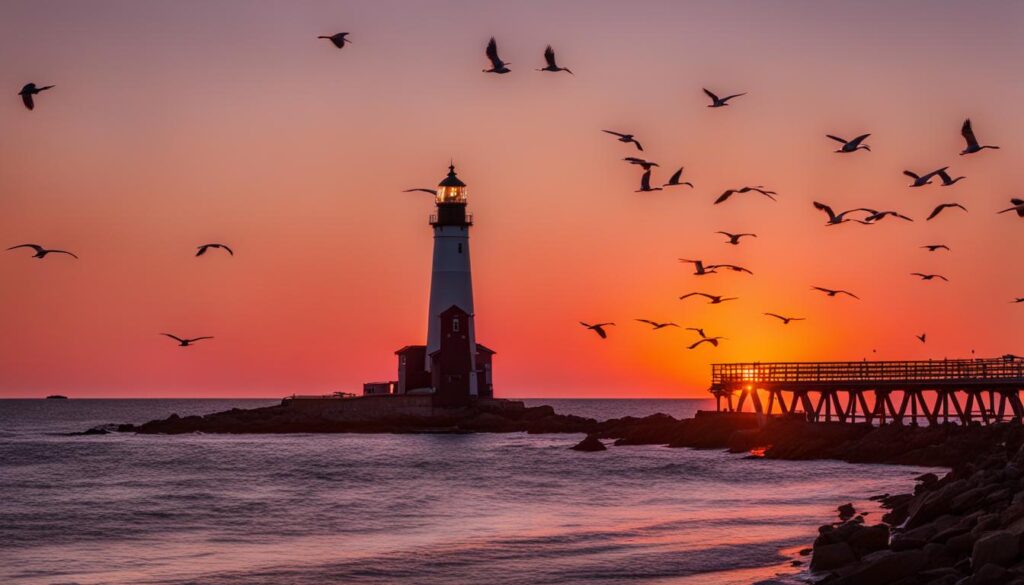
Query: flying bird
[[934, 247], [877, 216], [423, 189], [645, 183], [497, 65], [851, 145], [29, 90], [338, 39], [598, 328], [714, 300], [939, 209], [922, 337], [698, 267], [673, 181], [202, 249], [733, 267], [922, 180], [759, 188], [186, 342], [785, 320], [41, 252], [838, 218], [646, 164], [717, 102], [656, 325], [1018, 300], [549, 58], [1018, 206], [833, 292], [627, 138], [972, 142], [947, 180], [734, 239], [712, 340], [699, 330], [929, 276]]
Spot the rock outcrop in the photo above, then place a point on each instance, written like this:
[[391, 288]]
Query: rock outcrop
[[963, 529]]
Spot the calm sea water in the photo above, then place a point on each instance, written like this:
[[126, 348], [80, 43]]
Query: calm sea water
[[505, 509]]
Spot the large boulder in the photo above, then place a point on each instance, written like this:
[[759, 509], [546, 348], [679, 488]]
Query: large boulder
[[869, 539], [589, 444], [832, 556], [999, 548], [882, 567]]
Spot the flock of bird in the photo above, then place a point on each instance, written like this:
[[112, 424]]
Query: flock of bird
[[861, 215]]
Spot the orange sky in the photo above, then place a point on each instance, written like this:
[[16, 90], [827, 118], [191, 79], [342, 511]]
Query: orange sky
[[172, 125]]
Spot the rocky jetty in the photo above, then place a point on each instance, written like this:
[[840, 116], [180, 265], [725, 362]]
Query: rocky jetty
[[963, 529]]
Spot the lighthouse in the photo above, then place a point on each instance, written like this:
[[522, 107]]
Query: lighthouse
[[452, 365]]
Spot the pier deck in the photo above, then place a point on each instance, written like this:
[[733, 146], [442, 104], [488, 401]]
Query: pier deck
[[984, 390]]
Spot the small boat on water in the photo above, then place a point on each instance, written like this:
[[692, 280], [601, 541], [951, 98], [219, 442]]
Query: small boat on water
[[56, 397]]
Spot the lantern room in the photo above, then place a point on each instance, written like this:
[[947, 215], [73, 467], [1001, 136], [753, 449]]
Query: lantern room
[[451, 190]]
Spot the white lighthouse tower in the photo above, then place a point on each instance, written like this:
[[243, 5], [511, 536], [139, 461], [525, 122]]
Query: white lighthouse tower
[[451, 281]]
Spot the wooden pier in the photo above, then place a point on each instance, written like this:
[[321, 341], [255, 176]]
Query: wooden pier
[[964, 391]]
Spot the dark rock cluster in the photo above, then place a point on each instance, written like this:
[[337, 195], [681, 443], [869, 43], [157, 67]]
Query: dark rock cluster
[[963, 529]]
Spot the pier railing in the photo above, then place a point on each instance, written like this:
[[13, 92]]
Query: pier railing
[[977, 371], [984, 390]]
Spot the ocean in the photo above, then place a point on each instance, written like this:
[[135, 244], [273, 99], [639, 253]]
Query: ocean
[[496, 509]]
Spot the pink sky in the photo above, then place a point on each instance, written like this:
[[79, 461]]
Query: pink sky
[[176, 124]]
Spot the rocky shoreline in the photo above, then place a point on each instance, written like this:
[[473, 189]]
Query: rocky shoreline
[[965, 528]]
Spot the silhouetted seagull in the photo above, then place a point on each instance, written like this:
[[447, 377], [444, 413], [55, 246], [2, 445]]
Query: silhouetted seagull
[[186, 342], [934, 247], [851, 145], [645, 183], [785, 320], [713, 299], [922, 180], [656, 325], [698, 267], [202, 249], [627, 138], [877, 216], [734, 239], [717, 102], [30, 90], [549, 57], [41, 252], [759, 188], [712, 340], [699, 330], [646, 164], [497, 65], [1018, 206], [922, 337], [947, 180], [423, 189], [939, 209], [838, 218], [833, 292], [733, 267], [339, 39], [673, 181], [598, 328], [1018, 300], [929, 276], [972, 142]]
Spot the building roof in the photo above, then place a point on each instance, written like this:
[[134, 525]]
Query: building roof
[[484, 348], [409, 348], [452, 180]]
